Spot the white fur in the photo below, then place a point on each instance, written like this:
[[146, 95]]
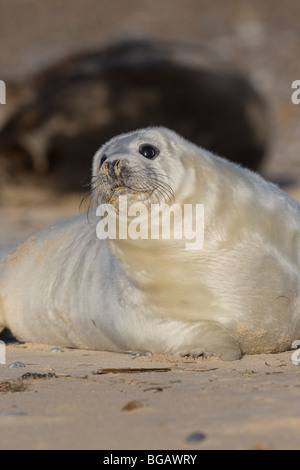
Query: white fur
[[238, 294]]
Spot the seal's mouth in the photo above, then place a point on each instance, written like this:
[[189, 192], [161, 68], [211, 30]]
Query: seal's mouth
[[138, 184], [132, 194]]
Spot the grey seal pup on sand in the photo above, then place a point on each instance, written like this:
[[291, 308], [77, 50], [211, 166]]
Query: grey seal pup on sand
[[238, 294]]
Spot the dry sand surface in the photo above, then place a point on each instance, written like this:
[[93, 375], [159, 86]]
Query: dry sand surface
[[249, 404]]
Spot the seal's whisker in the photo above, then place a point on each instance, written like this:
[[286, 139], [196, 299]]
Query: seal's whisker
[[165, 190], [153, 173], [163, 184], [157, 178], [161, 187], [162, 192], [157, 187], [89, 200]]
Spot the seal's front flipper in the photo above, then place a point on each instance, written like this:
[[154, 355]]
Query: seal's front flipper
[[212, 339]]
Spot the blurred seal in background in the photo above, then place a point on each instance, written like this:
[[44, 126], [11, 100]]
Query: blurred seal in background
[[56, 119]]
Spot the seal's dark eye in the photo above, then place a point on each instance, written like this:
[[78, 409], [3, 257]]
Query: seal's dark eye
[[148, 151]]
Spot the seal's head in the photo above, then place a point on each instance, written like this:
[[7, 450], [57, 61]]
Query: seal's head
[[145, 165]]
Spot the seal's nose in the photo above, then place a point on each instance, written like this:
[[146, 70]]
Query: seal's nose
[[111, 167]]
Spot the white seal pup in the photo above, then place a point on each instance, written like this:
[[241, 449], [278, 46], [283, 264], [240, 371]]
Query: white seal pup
[[238, 294]]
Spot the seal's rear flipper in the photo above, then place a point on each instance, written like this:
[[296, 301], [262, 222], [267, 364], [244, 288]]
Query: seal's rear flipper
[[213, 339]]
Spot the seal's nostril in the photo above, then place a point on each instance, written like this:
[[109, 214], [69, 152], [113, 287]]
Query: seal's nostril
[[110, 167], [104, 157]]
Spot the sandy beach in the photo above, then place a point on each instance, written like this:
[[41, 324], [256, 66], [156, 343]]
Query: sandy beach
[[58, 402]]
